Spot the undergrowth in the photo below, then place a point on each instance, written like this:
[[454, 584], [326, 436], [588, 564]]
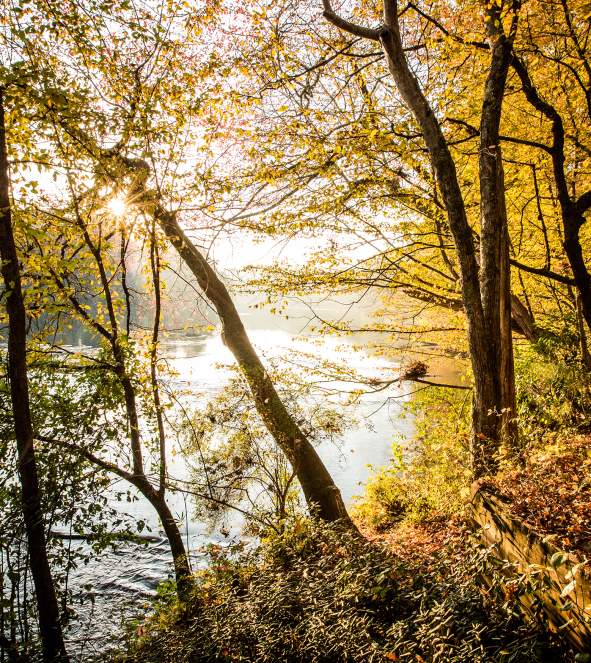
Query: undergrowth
[[429, 475], [317, 594]]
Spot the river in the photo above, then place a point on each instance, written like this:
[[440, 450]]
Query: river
[[116, 586]]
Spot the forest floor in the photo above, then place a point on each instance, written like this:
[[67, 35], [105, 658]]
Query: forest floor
[[418, 587], [421, 541], [552, 493]]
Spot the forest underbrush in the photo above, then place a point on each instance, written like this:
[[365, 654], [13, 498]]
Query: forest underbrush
[[317, 593]]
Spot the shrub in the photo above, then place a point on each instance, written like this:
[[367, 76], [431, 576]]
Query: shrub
[[317, 594], [429, 474], [553, 394]]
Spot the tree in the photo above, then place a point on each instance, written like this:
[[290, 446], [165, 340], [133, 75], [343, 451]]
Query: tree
[[485, 287], [568, 27], [119, 359], [142, 128], [49, 619]]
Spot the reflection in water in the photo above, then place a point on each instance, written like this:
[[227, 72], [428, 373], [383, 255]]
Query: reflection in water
[[123, 582]]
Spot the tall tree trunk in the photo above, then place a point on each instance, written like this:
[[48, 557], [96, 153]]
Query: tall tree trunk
[[321, 494], [495, 274], [509, 421], [485, 426], [572, 222], [482, 306], [49, 619], [585, 355], [137, 476]]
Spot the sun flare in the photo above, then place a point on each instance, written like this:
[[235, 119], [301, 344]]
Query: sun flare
[[117, 206]]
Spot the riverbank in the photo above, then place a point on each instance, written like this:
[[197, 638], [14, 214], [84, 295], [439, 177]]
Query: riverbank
[[118, 586]]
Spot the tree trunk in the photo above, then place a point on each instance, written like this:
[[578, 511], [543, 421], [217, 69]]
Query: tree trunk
[[572, 211], [495, 275], [156, 498], [182, 567], [485, 427], [585, 356], [509, 421], [523, 321], [322, 496], [572, 222], [49, 618]]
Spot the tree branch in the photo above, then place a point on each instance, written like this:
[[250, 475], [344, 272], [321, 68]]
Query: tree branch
[[541, 271], [347, 26]]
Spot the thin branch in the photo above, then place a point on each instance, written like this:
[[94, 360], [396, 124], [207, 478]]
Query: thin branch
[[541, 271]]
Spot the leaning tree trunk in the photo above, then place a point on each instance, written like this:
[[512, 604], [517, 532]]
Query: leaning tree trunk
[[322, 495], [138, 475], [180, 558], [182, 568], [49, 619], [522, 320]]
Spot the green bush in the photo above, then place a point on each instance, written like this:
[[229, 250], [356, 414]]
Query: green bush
[[430, 473], [316, 594], [553, 394]]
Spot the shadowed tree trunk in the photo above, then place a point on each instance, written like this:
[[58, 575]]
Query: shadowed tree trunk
[[156, 497], [49, 619], [522, 319], [495, 270], [585, 356], [180, 559], [112, 335]]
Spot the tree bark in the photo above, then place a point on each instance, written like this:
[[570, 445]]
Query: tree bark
[[322, 495], [481, 295], [182, 567], [138, 475], [585, 355], [495, 275], [49, 619], [522, 320], [485, 425], [156, 498]]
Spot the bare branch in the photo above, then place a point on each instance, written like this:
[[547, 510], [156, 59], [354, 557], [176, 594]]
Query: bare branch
[[541, 271]]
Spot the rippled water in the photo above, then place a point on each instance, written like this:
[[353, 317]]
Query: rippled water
[[124, 582]]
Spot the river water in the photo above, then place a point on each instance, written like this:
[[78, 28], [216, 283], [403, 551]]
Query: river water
[[116, 586]]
